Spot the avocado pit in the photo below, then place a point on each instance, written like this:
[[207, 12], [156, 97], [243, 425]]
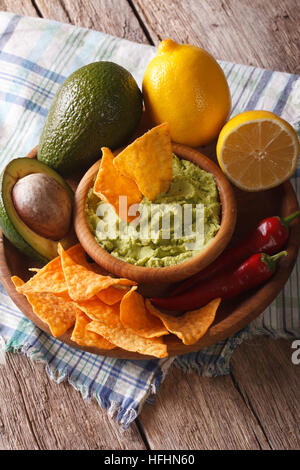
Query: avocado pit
[[43, 204]]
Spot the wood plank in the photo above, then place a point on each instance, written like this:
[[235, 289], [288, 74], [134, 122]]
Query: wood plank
[[270, 385], [21, 7], [257, 406], [193, 412], [33, 410], [110, 16], [15, 427], [205, 413], [264, 34], [36, 413]]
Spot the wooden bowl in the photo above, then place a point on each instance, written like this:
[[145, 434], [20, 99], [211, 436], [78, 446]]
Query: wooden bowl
[[170, 274]]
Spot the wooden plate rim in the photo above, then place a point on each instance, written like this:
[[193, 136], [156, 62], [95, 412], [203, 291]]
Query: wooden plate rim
[[243, 314]]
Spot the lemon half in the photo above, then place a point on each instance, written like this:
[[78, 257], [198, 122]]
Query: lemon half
[[258, 150]]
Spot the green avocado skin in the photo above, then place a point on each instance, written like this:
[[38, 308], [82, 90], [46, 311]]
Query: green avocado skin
[[99, 105]]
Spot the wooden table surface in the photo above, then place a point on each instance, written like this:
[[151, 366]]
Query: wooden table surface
[[257, 406]]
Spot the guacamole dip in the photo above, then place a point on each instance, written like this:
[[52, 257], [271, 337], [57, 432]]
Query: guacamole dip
[[172, 229]]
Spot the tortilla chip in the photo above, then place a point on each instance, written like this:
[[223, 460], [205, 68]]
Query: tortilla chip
[[112, 295], [56, 311], [110, 185], [84, 337], [51, 278], [48, 279], [17, 281], [78, 255], [191, 326], [134, 316], [148, 161], [97, 310], [82, 283], [129, 341]]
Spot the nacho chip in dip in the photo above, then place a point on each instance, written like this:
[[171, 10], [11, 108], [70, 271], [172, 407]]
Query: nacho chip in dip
[[148, 161], [110, 184]]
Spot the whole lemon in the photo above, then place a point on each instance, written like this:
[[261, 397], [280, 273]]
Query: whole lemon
[[185, 86]]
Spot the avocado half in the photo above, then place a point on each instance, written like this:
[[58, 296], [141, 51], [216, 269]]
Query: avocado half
[[18, 233]]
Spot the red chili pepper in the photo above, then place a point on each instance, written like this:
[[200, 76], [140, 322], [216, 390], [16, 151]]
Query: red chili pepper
[[269, 236], [251, 273]]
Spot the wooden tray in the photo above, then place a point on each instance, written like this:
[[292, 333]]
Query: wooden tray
[[232, 315]]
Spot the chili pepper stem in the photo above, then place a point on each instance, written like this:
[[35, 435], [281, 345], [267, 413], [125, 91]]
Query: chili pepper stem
[[287, 220], [271, 261]]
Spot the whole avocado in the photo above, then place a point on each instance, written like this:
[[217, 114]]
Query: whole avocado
[[99, 105]]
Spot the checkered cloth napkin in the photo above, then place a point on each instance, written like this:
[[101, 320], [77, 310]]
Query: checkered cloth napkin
[[35, 58]]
